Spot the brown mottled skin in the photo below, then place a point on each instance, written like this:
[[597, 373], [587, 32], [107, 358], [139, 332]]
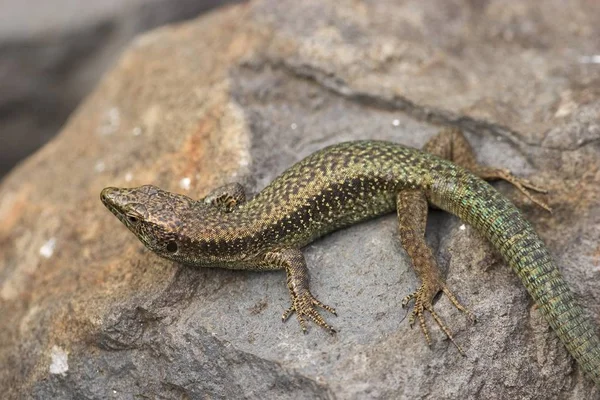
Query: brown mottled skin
[[345, 184]]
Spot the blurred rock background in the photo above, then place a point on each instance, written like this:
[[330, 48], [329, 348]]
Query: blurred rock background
[[53, 52]]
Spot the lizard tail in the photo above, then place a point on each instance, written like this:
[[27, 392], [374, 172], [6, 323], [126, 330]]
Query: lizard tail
[[495, 217]]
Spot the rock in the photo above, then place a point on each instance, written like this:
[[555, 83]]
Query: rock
[[240, 95]]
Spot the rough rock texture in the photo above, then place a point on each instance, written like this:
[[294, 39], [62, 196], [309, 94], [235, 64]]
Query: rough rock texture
[[241, 94], [52, 53]]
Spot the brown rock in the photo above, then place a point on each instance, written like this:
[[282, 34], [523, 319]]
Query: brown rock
[[241, 95]]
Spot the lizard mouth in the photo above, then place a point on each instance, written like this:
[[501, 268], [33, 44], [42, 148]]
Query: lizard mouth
[[107, 196], [132, 214], [111, 198]]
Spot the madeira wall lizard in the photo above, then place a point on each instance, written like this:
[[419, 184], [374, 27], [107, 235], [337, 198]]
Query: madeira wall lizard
[[347, 183]]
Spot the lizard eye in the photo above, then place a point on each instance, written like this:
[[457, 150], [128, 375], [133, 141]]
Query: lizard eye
[[132, 219], [172, 247]]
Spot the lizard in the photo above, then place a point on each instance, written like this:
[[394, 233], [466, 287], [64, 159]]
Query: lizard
[[350, 182]]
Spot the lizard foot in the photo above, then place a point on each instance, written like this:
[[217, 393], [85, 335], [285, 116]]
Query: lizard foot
[[423, 298], [304, 307], [523, 185]]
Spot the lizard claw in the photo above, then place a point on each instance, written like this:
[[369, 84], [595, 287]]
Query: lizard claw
[[423, 298], [304, 305], [522, 184]]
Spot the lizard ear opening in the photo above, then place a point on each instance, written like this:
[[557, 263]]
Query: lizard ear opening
[[172, 247]]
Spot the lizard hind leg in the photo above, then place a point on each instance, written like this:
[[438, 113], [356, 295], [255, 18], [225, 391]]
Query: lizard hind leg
[[412, 218], [451, 144]]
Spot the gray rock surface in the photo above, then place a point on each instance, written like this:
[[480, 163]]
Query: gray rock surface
[[52, 53], [240, 95]]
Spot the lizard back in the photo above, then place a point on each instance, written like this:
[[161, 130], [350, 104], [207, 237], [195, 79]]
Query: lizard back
[[336, 187]]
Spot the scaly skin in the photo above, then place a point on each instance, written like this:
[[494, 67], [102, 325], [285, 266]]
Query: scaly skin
[[345, 184]]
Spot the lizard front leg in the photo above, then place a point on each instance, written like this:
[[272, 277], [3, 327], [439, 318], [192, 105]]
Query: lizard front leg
[[303, 302], [226, 198], [451, 144], [412, 218]]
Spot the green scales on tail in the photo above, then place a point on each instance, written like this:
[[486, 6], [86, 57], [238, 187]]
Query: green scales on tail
[[351, 182]]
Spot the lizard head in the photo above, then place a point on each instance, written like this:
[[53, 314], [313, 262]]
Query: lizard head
[[157, 217]]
